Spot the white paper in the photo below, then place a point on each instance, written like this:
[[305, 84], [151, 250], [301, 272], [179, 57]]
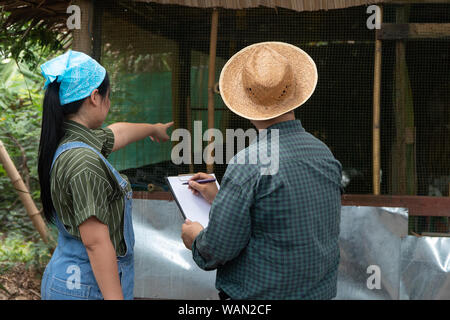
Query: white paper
[[196, 208]]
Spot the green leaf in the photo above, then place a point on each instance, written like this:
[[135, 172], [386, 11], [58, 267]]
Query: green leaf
[[7, 70]]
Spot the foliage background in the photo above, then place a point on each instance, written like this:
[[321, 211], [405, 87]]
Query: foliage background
[[22, 49]]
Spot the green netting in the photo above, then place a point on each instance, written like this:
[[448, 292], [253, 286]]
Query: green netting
[[158, 57], [138, 102], [199, 92]]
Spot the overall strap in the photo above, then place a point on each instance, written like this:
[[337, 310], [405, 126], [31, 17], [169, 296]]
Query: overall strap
[[74, 145]]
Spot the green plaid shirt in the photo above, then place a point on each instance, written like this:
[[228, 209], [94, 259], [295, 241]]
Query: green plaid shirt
[[276, 236]]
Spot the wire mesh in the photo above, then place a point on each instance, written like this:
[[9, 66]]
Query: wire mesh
[[428, 92], [158, 57]]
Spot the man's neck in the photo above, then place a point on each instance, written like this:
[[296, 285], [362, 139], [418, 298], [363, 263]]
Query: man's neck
[[264, 124]]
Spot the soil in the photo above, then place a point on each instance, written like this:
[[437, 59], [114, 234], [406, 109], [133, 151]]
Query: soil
[[20, 283]]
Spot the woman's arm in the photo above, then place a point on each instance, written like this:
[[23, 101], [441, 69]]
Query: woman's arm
[[126, 133], [95, 237]]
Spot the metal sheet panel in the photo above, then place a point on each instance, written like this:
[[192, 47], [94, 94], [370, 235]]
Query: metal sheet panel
[[164, 268], [370, 236], [425, 268], [410, 267]]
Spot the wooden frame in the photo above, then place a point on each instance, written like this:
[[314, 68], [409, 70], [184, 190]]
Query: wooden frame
[[404, 179], [157, 195], [419, 1], [417, 205], [413, 31], [212, 80]]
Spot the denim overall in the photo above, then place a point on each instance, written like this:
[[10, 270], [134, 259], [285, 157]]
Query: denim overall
[[69, 275]]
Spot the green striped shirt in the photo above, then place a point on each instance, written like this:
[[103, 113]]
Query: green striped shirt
[[82, 185]]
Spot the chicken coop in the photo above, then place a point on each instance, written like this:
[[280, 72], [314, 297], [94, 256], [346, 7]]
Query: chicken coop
[[382, 102]]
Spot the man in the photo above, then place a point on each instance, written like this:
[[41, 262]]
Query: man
[[272, 234]]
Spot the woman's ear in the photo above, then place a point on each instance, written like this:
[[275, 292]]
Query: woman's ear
[[95, 98]]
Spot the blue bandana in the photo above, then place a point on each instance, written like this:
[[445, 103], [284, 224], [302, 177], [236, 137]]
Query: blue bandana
[[77, 72]]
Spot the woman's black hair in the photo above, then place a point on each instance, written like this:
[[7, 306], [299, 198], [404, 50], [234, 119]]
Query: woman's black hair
[[52, 131]]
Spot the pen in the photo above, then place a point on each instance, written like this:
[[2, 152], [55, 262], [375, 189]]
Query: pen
[[201, 181]]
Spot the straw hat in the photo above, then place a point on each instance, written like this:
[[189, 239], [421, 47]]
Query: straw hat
[[267, 79]]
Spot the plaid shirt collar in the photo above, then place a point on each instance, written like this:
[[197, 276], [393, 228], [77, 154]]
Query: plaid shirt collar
[[287, 126]]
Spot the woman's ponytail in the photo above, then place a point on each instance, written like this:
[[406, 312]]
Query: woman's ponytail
[[51, 133]]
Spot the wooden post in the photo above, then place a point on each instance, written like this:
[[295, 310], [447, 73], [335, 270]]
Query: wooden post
[[376, 163], [404, 178], [189, 127], [226, 114], [82, 38], [181, 84], [175, 67], [184, 80], [212, 79], [97, 23], [23, 192]]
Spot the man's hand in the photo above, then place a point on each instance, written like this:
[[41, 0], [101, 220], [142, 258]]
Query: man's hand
[[207, 190], [190, 231]]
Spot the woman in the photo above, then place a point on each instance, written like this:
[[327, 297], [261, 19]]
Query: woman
[[87, 199]]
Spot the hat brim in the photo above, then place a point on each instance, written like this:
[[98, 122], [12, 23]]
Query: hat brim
[[236, 97]]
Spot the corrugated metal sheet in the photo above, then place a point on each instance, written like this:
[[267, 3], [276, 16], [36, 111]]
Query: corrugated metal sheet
[[373, 244], [297, 5]]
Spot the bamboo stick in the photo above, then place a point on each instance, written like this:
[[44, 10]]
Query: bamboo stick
[[376, 163], [23, 193], [175, 66], [211, 80], [189, 127]]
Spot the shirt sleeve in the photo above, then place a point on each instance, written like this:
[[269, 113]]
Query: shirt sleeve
[[89, 196], [228, 231], [106, 136]]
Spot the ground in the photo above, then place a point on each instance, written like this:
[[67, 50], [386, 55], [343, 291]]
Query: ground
[[20, 283]]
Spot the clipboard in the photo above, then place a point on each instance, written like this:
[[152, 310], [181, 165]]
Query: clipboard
[[192, 207]]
